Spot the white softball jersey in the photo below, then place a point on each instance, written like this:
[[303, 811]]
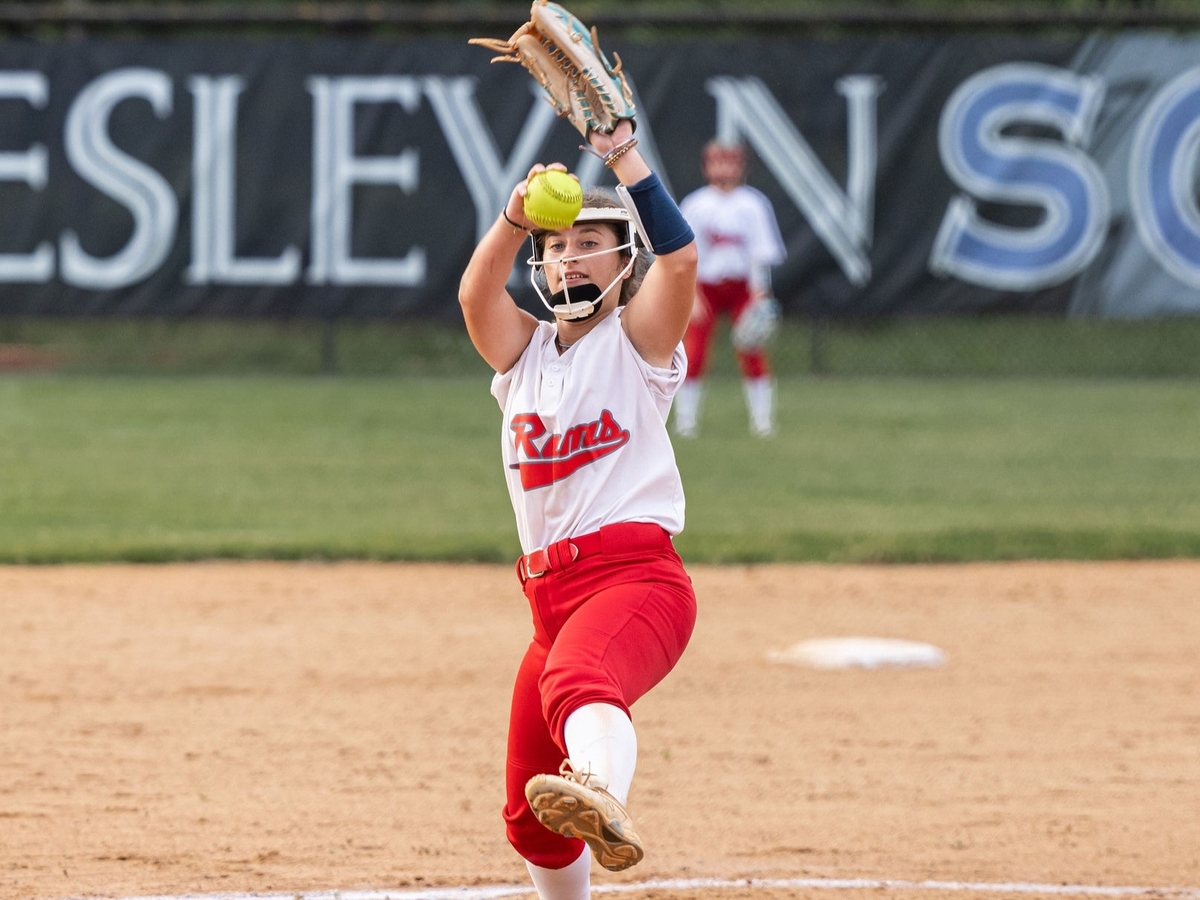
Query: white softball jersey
[[735, 232], [584, 437]]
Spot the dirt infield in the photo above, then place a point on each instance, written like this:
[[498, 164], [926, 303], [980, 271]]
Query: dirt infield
[[300, 727]]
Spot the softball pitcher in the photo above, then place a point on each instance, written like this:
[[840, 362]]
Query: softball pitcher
[[597, 496]]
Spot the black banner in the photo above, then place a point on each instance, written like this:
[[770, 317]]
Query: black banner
[[351, 178]]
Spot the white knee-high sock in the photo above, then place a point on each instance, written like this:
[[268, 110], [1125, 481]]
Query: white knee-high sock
[[573, 882], [601, 740], [760, 401]]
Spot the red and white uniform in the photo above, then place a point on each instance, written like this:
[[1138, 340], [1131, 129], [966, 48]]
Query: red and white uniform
[[735, 232], [593, 481], [572, 422], [738, 241]]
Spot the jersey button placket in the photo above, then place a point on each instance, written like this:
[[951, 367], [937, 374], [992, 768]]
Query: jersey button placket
[[552, 386]]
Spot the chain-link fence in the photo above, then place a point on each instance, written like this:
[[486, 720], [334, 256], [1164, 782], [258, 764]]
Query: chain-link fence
[[1011, 346], [1017, 345]]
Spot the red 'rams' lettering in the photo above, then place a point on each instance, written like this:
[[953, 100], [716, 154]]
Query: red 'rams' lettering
[[561, 455]]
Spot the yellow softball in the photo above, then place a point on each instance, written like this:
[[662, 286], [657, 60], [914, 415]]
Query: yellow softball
[[553, 200]]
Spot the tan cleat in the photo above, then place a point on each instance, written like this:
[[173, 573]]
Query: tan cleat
[[566, 805]]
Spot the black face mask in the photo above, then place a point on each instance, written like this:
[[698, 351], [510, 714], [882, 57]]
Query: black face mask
[[585, 293]]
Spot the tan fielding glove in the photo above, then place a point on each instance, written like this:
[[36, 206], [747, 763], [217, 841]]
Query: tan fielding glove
[[565, 59]]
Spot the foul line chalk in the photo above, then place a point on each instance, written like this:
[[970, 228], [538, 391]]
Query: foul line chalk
[[495, 892], [1090, 890]]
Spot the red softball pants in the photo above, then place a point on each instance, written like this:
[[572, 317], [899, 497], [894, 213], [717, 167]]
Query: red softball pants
[[723, 298], [608, 625]]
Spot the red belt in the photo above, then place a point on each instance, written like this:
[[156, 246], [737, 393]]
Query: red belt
[[627, 537]]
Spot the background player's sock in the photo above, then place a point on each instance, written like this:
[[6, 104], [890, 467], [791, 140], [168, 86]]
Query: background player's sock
[[571, 882], [760, 401], [601, 740]]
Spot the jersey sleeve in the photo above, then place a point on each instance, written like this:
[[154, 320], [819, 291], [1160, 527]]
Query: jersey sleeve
[[767, 246], [502, 382], [698, 208], [662, 381]]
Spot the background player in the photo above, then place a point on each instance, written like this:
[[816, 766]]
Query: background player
[[597, 496], [738, 240]]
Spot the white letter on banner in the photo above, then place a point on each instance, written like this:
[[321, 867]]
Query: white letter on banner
[[1055, 177], [129, 181], [214, 194], [1162, 176], [31, 168], [843, 221], [488, 179], [336, 170]]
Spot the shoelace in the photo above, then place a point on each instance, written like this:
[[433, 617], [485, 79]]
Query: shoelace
[[567, 771]]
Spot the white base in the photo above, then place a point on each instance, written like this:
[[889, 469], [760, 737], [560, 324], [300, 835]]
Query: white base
[[858, 652]]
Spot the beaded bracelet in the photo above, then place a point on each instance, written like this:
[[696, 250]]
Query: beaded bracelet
[[611, 157]]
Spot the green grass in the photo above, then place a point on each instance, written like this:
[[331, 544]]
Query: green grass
[[158, 469], [165, 468], [950, 470]]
